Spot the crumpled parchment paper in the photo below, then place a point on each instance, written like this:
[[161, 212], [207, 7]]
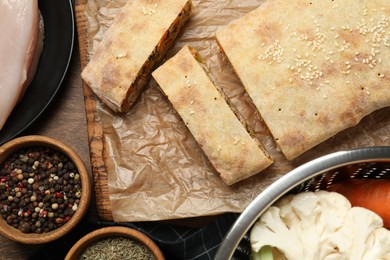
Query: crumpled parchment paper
[[156, 169]]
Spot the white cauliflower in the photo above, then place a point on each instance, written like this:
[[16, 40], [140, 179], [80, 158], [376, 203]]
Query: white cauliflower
[[321, 225], [272, 225]]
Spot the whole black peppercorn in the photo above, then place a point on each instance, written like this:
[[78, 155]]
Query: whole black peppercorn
[[24, 183], [57, 187], [33, 228], [25, 227]]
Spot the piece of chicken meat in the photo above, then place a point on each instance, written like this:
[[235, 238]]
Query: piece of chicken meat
[[21, 43]]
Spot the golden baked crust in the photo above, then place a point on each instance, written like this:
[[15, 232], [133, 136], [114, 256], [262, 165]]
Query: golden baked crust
[[312, 68], [136, 41], [220, 134]]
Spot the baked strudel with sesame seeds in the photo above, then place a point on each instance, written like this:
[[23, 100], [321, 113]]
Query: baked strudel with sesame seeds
[[312, 68], [136, 41], [226, 142]]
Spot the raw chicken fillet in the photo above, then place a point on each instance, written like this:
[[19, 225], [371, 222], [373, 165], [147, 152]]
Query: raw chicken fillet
[[20, 48]]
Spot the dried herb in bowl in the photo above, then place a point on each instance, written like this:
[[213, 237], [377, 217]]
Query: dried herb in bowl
[[115, 242], [116, 247], [40, 189]]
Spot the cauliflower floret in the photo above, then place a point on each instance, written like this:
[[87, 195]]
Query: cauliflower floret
[[365, 222], [271, 230], [378, 245], [321, 225], [304, 213]]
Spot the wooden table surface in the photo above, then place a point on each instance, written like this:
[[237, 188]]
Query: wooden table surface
[[65, 120]]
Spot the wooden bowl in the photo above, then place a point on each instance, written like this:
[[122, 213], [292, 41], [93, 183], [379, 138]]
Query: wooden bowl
[[78, 248], [17, 144]]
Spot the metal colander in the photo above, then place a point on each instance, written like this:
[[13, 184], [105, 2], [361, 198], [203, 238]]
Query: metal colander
[[363, 163]]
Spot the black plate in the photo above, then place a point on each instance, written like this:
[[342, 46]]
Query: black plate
[[53, 65]]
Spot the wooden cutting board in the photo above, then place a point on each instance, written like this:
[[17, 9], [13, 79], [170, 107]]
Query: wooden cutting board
[[95, 133]]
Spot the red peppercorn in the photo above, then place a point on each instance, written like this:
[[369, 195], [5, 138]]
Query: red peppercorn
[[58, 195], [59, 220]]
